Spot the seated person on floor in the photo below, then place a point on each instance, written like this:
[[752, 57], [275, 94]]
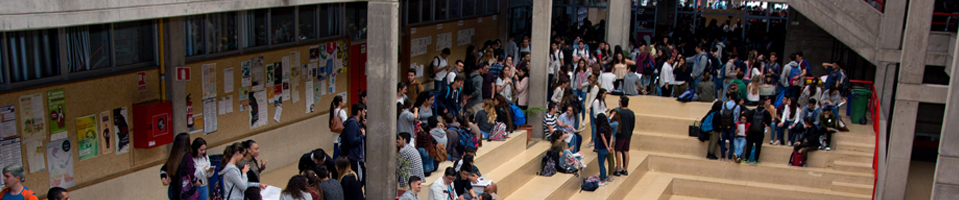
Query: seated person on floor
[[808, 141], [475, 175], [469, 151], [830, 124], [462, 184], [567, 160]]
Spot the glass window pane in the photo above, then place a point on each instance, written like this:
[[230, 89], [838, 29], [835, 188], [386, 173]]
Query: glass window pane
[[254, 29], [469, 8], [330, 19], [221, 32], [455, 9], [307, 22], [427, 10], [281, 25], [413, 11], [134, 42], [33, 54], [193, 28], [492, 6], [356, 20], [439, 8], [88, 47]]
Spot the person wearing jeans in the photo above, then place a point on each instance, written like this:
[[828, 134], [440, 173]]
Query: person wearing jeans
[[602, 148], [598, 107]]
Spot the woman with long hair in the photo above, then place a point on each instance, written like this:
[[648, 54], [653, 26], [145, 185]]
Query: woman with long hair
[[504, 83], [789, 118], [336, 109], [522, 87], [487, 57], [504, 113], [407, 119], [602, 149], [812, 91], [424, 101], [313, 184], [426, 146], [620, 64], [203, 169], [597, 107], [251, 158], [580, 83], [752, 90], [296, 189], [235, 180], [352, 189], [180, 168]]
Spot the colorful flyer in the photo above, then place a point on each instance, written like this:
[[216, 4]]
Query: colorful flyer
[[256, 74], [60, 163], [87, 136], [258, 109], [35, 151], [106, 132], [56, 101], [122, 129], [245, 74], [10, 152], [209, 80], [8, 121], [31, 116]]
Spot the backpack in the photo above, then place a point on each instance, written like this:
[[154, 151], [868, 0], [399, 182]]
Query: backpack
[[429, 70], [713, 62], [187, 189], [519, 118], [757, 125], [707, 124], [687, 96], [466, 139], [728, 119], [796, 159], [795, 71], [550, 161], [589, 185], [499, 132], [647, 68]]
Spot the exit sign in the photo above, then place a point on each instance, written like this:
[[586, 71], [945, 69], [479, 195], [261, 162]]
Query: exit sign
[[183, 74]]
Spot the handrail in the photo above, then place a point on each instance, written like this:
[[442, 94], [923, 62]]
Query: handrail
[[949, 23], [874, 105]]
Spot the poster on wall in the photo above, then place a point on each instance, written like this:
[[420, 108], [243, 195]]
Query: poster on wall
[[258, 109], [209, 110], [87, 136], [314, 53], [244, 96], [10, 153], [257, 73], [106, 132], [60, 163], [122, 129], [55, 103], [444, 40], [35, 152], [197, 123], [8, 121], [228, 80], [245, 74], [269, 74], [31, 116], [209, 80], [287, 72], [309, 96]]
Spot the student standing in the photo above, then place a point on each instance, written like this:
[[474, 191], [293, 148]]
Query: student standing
[[598, 107], [352, 187], [440, 66], [603, 134], [256, 166], [625, 135], [234, 178], [179, 167], [354, 141], [757, 132], [203, 169]]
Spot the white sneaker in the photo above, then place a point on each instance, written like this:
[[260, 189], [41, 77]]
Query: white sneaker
[[602, 183], [589, 145], [828, 149]]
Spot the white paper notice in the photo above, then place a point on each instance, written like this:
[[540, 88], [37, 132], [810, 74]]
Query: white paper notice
[[35, 152], [258, 109], [8, 121], [418, 45], [271, 193], [220, 106], [229, 103], [322, 88], [309, 96], [10, 152], [228, 80], [32, 116], [444, 40], [418, 71], [209, 113], [278, 113], [209, 80]]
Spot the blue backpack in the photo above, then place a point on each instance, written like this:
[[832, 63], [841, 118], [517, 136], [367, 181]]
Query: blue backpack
[[466, 138], [519, 118], [589, 185], [687, 95], [707, 124]]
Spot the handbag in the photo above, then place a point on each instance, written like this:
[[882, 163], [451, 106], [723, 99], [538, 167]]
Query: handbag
[[336, 124]]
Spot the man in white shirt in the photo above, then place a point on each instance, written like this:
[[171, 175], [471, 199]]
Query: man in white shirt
[[458, 67], [439, 68], [442, 189], [523, 48], [580, 53]]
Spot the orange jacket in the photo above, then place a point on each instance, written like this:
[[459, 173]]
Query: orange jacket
[[27, 194]]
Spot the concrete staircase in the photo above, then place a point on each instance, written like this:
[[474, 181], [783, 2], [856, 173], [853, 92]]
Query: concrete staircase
[[854, 22]]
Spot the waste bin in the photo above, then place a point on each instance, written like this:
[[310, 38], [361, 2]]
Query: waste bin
[[860, 100]]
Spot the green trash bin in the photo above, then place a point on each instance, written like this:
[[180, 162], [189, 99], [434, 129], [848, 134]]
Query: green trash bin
[[860, 101]]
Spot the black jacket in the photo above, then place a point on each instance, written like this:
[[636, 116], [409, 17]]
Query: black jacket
[[306, 163]]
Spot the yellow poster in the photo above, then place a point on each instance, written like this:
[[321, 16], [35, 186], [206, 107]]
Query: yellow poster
[[87, 136]]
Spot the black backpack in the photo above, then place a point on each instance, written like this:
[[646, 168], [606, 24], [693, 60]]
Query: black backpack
[[468, 85], [714, 62], [550, 161], [429, 70], [756, 124], [728, 118]]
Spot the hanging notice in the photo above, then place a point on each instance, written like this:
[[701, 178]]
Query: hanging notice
[[225, 105], [87, 136], [287, 70], [106, 132], [60, 163], [228, 80], [8, 121], [314, 53], [209, 80], [197, 123], [244, 98], [10, 152], [245, 74], [35, 152], [209, 110], [309, 96], [258, 109], [278, 113], [257, 74], [444, 40], [464, 37], [58, 125], [122, 129], [31, 116], [316, 92], [418, 45]]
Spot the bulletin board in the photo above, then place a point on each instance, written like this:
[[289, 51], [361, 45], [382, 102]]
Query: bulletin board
[[236, 125], [475, 31], [84, 98]]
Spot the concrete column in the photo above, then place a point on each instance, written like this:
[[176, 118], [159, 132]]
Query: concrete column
[[893, 16], [381, 70], [885, 76], [915, 41], [898, 156], [173, 56], [617, 19], [542, 17], [946, 185]]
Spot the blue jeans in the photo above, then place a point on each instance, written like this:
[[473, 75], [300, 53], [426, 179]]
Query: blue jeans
[[779, 131], [740, 142], [576, 142], [437, 85], [602, 164], [717, 82], [695, 85], [582, 96], [727, 135], [204, 192], [592, 126]]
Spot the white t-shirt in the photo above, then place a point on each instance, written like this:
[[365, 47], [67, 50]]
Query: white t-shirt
[[439, 62], [582, 53], [450, 77], [507, 89], [340, 113], [555, 61], [598, 107], [606, 81]]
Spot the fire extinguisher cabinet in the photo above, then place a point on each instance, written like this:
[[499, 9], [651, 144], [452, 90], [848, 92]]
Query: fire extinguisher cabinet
[[152, 123]]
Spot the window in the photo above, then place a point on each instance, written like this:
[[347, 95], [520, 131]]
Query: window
[[254, 29], [134, 42], [193, 30], [469, 7], [439, 9], [88, 47], [455, 9], [413, 11], [426, 10], [492, 6], [356, 20], [330, 19], [281, 25], [221, 32], [307, 22], [33, 54]]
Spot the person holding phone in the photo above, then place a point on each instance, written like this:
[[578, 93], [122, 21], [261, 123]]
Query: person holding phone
[[203, 169]]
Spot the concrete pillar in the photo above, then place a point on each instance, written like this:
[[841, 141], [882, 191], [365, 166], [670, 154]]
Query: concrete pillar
[[893, 16], [542, 17], [913, 63], [946, 185], [173, 56], [381, 70], [885, 77], [617, 19]]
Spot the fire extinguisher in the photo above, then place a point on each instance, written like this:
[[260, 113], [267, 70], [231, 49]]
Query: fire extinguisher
[[189, 112]]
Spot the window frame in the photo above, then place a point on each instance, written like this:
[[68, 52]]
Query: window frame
[[477, 12]]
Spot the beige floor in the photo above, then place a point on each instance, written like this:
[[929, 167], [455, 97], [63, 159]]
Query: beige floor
[[919, 185]]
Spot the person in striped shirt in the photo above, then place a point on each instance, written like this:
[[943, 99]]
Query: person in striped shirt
[[549, 120]]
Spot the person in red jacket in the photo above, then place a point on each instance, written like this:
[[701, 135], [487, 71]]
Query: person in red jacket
[[13, 178]]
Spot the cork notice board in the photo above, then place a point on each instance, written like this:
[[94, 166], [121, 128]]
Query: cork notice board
[[480, 30]]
